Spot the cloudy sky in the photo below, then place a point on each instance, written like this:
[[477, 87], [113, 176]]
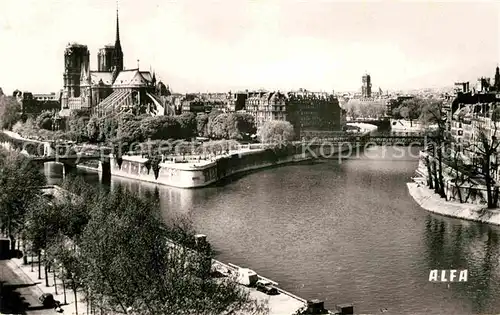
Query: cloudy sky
[[208, 45]]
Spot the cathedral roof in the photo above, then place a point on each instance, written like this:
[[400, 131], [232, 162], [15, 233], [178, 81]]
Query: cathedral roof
[[132, 77], [96, 76], [147, 75]]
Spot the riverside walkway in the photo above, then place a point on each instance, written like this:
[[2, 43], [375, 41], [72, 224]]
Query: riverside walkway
[[282, 304]]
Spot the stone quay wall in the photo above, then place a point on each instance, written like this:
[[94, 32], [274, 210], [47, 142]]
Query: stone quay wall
[[204, 173]]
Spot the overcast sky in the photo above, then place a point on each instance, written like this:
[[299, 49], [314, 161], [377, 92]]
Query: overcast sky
[[209, 45]]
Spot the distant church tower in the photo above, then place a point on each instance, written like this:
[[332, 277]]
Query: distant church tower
[[497, 79], [366, 87]]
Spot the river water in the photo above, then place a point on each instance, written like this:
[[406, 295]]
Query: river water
[[341, 231]]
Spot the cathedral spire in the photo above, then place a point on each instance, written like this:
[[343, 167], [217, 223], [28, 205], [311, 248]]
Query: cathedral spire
[[497, 79], [117, 41], [118, 53]]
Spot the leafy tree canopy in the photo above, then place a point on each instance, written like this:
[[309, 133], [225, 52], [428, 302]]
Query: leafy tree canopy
[[276, 131]]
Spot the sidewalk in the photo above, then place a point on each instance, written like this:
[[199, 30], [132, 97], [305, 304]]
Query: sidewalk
[[24, 271]]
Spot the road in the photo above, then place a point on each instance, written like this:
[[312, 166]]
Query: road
[[17, 296]]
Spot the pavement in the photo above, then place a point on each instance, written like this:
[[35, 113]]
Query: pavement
[[18, 296], [281, 304], [285, 303], [27, 288], [21, 289]]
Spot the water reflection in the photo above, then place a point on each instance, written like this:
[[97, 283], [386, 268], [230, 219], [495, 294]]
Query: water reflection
[[169, 197], [454, 244]]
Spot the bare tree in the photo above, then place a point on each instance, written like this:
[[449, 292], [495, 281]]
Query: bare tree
[[485, 151], [432, 113], [460, 173]]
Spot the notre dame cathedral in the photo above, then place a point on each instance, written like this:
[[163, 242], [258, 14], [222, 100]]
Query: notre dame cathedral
[[112, 88]]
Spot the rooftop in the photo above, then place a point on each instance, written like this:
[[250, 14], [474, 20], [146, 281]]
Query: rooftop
[[75, 44]]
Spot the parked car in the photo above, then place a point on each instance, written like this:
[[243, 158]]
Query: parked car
[[266, 287], [47, 300]]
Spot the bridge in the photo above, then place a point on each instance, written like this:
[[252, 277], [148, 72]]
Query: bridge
[[69, 162], [75, 159], [383, 123], [382, 140]]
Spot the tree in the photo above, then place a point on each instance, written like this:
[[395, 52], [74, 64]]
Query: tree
[[65, 255], [43, 224], [171, 128], [485, 150], [152, 127], [240, 126], [411, 109], [218, 127], [365, 109], [55, 225], [201, 124], [277, 131], [212, 116], [44, 120], [460, 173], [93, 130], [10, 112], [235, 126], [187, 125], [129, 131], [130, 260], [19, 183], [433, 113], [108, 128], [77, 125]]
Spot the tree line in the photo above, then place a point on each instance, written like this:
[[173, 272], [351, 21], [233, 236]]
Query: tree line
[[417, 109], [113, 247], [364, 109], [80, 127]]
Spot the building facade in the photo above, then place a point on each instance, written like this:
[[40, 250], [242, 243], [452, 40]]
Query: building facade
[[307, 111], [316, 111], [471, 115], [37, 103], [266, 106]]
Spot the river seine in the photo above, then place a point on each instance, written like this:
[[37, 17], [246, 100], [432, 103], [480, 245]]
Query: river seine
[[341, 231]]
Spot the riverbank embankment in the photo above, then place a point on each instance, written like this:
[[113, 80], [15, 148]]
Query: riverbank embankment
[[432, 202], [196, 173], [200, 171]]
